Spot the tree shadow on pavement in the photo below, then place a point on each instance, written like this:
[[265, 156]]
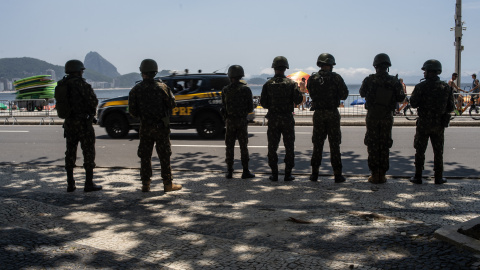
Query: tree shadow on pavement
[[215, 222]]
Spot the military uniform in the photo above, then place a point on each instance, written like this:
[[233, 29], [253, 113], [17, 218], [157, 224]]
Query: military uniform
[[280, 95], [326, 89], [237, 104], [381, 92], [434, 100], [78, 126], [152, 102], [77, 104]]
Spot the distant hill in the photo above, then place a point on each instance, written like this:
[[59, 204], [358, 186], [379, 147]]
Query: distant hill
[[11, 68], [94, 61], [95, 76], [15, 68], [257, 80], [127, 80]]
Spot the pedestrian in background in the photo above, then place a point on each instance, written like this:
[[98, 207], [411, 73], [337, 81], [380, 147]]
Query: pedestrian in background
[[303, 90], [399, 104], [434, 101], [326, 89], [280, 95], [475, 88], [381, 92], [237, 103], [78, 126], [456, 92], [475, 84], [152, 101]]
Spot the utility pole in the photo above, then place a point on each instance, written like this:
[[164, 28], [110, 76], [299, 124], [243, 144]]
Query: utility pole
[[458, 40]]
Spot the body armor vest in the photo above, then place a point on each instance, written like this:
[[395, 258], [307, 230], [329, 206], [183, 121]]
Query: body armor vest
[[235, 100], [280, 96], [438, 98], [326, 88]]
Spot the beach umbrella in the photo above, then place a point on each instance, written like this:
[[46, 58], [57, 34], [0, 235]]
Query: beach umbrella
[[359, 101], [297, 76]]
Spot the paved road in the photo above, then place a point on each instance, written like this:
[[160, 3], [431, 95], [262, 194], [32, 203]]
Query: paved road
[[45, 145]]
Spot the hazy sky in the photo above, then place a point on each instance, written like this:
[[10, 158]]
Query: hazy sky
[[210, 34]]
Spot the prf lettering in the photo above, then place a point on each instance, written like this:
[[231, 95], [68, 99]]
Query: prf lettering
[[182, 111]]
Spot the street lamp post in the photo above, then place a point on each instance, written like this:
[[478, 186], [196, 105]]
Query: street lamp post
[[458, 40]]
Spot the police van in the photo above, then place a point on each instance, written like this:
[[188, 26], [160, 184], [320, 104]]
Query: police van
[[198, 98]]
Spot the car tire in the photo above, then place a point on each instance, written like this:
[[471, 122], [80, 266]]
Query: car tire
[[116, 126], [209, 125]]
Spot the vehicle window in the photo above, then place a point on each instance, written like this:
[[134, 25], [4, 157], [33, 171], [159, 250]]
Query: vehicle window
[[186, 86], [178, 85], [219, 83]]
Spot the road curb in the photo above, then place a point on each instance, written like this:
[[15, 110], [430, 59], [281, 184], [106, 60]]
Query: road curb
[[451, 235]]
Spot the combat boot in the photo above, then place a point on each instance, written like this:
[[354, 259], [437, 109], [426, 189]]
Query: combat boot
[[339, 178], [374, 178], [417, 179], [247, 174], [288, 175], [146, 185], [89, 185], [171, 187], [382, 179], [274, 176], [229, 174], [70, 181], [439, 179], [314, 175]]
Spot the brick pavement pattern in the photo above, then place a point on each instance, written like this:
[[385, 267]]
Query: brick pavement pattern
[[213, 223]]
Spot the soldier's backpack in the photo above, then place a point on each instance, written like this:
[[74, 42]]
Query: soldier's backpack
[[383, 102], [62, 99], [280, 95]]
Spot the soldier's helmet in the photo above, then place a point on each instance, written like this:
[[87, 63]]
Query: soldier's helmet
[[148, 65], [73, 66], [432, 65], [235, 71], [382, 59], [326, 59], [280, 61]]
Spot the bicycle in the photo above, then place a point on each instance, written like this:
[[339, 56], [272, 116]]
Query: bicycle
[[474, 110], [412, 114]]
